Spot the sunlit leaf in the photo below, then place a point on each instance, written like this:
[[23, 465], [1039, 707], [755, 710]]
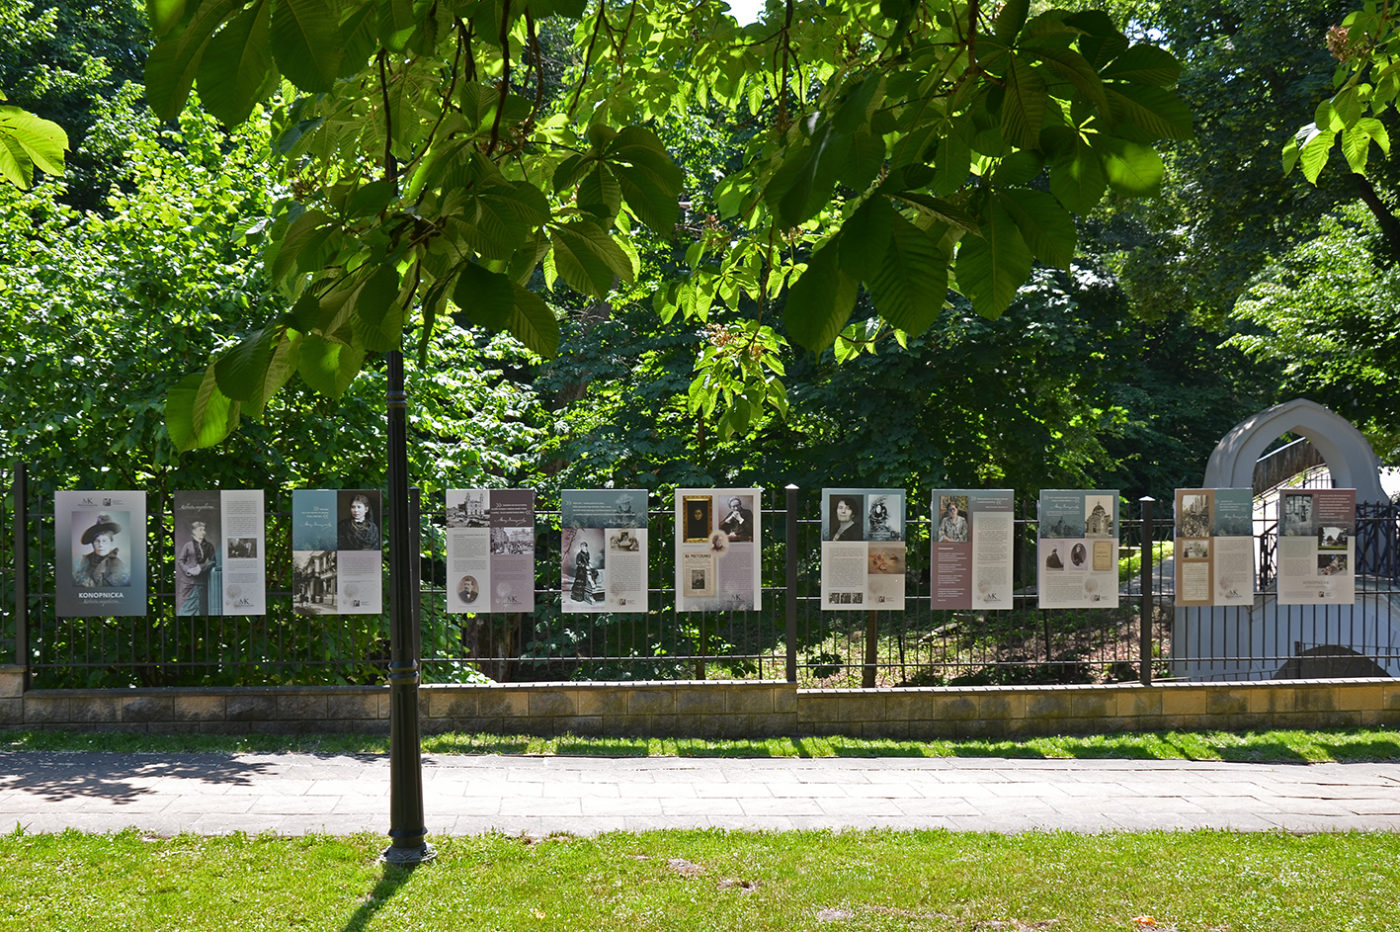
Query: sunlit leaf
[[197, 413], [991, 267], [820, 302]]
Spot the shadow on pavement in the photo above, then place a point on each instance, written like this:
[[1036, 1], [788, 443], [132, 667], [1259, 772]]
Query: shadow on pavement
[[119, 778]]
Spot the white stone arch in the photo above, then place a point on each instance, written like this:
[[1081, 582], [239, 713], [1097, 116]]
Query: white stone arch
[[1348, 454]]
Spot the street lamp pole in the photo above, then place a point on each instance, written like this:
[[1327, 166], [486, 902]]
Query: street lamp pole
[[407, 831]]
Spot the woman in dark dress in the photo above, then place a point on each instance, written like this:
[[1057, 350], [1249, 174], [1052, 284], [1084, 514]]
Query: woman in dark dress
[[583, 589]]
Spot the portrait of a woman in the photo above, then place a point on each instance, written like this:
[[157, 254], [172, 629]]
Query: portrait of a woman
[[844, 522]]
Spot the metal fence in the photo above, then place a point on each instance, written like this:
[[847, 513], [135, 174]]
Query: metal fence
[[9, 531], [1268, 640], [791, 637]]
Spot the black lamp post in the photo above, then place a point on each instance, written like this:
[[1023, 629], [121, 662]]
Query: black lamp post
[[406, 824]]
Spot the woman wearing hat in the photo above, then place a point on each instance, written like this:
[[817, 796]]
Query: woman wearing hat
[[103, 566]]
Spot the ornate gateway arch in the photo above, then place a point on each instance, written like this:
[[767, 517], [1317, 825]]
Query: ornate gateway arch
[[1349, 456], [1268, 640]]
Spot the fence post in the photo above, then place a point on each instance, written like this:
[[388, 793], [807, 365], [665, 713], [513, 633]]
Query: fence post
[[791, 589], [21, 496], [872, 650], [1145, 571]]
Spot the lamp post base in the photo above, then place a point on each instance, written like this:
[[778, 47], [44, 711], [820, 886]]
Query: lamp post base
[[408, 856]]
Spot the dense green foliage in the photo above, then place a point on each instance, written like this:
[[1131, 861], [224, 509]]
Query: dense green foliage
[[980, 308], [895, 145]]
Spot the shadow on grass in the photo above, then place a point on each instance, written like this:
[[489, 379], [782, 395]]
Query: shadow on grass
[[393, 877], [1372, 749], [457, 743], [602, 747]]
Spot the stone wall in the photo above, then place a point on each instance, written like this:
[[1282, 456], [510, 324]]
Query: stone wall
[[715, 709]]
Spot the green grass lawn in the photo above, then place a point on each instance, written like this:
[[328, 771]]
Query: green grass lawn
[[707, 881], [715, 880], [1282, 746]]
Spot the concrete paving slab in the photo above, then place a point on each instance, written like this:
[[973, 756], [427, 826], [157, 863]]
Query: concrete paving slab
[[300, 793]]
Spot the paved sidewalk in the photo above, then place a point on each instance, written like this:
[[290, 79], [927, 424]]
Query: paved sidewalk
[[300, 793]]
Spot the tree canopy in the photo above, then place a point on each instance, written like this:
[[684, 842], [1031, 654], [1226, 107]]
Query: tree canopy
[[456, 159]]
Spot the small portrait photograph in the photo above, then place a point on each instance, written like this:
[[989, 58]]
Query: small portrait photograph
[[1331, 537], [952, 519], [697, 581], [737, 523], [719, 543], [698, 521], [241, 548], [844, 518], [358, 528], [100, 549], [886, 559], [468, 589], [1078, 554], [1053, 561]]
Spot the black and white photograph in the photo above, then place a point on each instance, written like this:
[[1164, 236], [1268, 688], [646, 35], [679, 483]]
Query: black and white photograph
[[314, 582], [1295, 514], [198, 586], [358, 528], [884, 518], [103, 548], [844, 519], [512, 540], [1098, 516], [468, 508], [737, 523], [1194, 519], [585, 565]]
